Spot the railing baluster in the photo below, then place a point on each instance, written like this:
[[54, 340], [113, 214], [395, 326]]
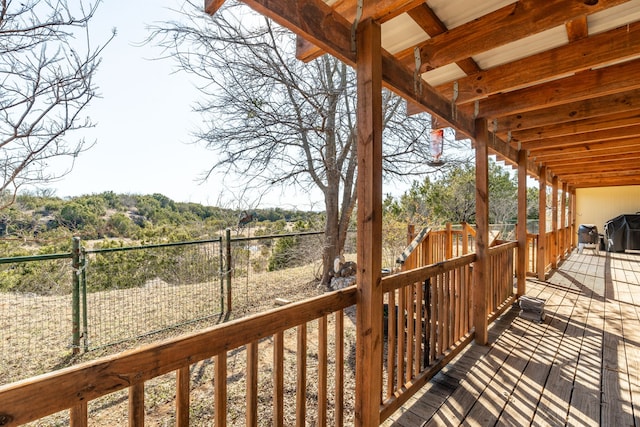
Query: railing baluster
[[301, 385], [78, 415], [418, 335], [322, 371], [391, 342], [400, 335], [455, 277], [410, 331], [278, 379], [442, 313], [252, 384], [339, 351], [220, 391], [136, 405], [182, 397]]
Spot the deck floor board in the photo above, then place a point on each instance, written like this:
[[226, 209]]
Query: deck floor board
[[581, 366]]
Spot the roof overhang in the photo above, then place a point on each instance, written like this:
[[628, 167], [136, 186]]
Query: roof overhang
[[559, 79]]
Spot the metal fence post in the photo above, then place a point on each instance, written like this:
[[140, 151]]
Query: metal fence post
[[222, 275], [75, 296], [228, 268], [83, 281]]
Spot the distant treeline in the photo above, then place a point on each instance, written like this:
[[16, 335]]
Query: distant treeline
[[144, 218]]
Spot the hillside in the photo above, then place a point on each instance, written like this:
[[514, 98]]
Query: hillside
[[43, 220]]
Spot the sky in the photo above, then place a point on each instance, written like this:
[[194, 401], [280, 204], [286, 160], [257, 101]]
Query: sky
[[144, 122]]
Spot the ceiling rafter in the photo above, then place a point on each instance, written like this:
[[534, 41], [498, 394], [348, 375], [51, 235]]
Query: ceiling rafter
[[381, 11], [629, 133], [595, 149], [612, 121], [579, 110], [581, 86], [424, 16], [581, 55], [514, 21]]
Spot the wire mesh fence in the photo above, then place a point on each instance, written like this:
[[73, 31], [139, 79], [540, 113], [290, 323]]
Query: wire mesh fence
[[136, 291], [36, 315], [263, 268], [56, 305]]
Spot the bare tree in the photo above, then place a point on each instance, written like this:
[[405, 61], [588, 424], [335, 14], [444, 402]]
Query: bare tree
[[276, 121], [46, 81]]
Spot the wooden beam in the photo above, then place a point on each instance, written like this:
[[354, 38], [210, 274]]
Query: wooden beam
[[577, 29], [400, 80], [212, 6], [611, 182], [521, 231], [515, 21], [582, 55], [605, 160], [585, 109], [588, 84], [380, 10], [542, 224], [369, 240], [576, 176], [317, 22], [424, 16], [628, 135], [595, 165], [507, 153], [601, 123], [481, 265], [595, 149]]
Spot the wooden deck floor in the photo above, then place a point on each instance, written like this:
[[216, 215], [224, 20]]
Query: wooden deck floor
[[580, 367]]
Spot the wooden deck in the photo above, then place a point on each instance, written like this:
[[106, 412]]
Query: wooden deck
[[581, 366]]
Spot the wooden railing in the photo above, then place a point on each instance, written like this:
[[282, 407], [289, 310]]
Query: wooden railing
[[73, 388], [429, 314], [531, 258], [431, 246], [557, 248], [502, 272], [428, 321]]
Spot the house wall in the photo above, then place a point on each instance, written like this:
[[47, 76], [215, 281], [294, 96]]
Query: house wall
[[599, 205]]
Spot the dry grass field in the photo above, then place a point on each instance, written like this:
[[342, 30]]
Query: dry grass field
[[147, 309]]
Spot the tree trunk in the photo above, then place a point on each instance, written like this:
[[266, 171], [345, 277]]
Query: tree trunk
[[331, 247]]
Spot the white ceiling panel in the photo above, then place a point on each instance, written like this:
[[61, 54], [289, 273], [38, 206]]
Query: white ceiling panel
[[400, 33], [522, 48], [614, 17], [443, 75], [457, 12]]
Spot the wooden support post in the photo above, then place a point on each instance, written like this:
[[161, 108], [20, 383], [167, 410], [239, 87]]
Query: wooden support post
[[220, 389], [564, 247], [449, 244], [554, 222], [136, 405], [542, 224], [183, 387], [79, 415], [521, 265], [369, 240], [481, 265], [572, 218]]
